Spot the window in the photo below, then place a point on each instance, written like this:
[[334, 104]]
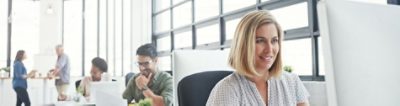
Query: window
[[208, 34], [73, 35], [161, 4], [111, 37], [118, 38], [265, 0], [103, 26], [231, 28], [176, 1], [205, 9], [321, 57], [294, 16], [183, 39], [25, 30], [212, 17], [231, 5], [90, 34], [163, 22], [127, 51], [164, 44], [297, 53], [164, 63], [182, 15], [3, 32]]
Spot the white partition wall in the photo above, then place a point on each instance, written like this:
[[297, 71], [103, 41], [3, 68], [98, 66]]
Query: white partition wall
[[187, 62], [361, 48]]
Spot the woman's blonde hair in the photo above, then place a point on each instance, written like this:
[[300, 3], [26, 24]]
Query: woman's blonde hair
[[241, 57]]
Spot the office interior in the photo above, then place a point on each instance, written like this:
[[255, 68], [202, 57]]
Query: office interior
[[191, 36]]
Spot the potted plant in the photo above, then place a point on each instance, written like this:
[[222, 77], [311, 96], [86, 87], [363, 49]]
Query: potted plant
[[288, 68], [5, 72]]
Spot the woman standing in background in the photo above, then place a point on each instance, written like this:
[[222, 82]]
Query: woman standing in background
[[19, 80]]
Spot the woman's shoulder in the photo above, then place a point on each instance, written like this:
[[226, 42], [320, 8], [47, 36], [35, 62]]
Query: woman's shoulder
[[230, 80], [18, 64], [225, 92]]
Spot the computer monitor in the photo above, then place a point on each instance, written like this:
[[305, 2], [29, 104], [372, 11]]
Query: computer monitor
[[361, 47]]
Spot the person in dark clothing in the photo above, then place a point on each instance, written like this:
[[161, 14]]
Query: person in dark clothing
[[19, 80]]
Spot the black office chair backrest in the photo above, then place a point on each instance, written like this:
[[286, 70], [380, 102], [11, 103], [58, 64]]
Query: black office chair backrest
[[194, 89], [128, 77]]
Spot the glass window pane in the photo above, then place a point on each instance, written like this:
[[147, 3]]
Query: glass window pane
[[208, 34], [231, 28], [118, 38], [182, 15], [205, 9], [164, 63], [294, 16], [3, 31], [183, 40], [231, 5], [162, 22], [265, 0], [73, 35], [161, 4], [90, 34], [321, 57], [373, 1], [111, 37], [25, 30], [177, 1], [164, 44], [103, 31], [127, 51], [297, 53]]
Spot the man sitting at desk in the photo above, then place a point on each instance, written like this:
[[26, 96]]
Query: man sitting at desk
[[99, 66], [149, 83]]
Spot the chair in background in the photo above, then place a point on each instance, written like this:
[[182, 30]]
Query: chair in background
[[194, 89]]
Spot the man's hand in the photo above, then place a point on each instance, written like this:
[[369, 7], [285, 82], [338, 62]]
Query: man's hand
[[142, 80]]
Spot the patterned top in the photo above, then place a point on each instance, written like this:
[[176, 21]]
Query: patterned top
[[237, 90]]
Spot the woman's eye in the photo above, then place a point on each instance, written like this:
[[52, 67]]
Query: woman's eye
[[275, 41], [259, 40]]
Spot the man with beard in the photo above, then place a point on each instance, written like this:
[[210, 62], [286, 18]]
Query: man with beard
[[149, 83]]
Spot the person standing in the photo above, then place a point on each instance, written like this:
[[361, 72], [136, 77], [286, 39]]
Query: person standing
[[19, 80], [62, 70]]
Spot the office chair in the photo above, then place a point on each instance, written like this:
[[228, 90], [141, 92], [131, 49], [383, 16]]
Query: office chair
[[128, 77], [193, 90]]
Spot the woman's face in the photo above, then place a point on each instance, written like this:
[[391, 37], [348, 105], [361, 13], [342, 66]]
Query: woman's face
[[24, 57], [267, 46]]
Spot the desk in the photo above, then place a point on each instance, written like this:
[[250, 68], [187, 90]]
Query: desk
[[45, 87], [72, 103], [2, 93]]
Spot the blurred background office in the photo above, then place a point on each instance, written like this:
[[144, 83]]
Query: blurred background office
[[114, 29]]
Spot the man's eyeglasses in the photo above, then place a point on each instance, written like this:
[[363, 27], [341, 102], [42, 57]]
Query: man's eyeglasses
[[144, 64]]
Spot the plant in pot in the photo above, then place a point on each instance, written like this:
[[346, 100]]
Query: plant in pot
[[288, 68], [5, 72]]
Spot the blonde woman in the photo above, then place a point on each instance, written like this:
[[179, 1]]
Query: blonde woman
[[258, 79]]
